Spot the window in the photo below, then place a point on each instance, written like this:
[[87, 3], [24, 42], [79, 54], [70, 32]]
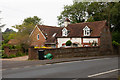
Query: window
[[64, 32], [86, 31], [38, 37]]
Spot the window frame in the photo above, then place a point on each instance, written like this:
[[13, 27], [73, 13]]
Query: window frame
[[38, 37], [64, 32], [86, 31]]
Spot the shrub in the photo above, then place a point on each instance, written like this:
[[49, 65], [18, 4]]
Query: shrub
[[12, 56], [10, 46], [68, 43], [115, 43], [4, 55], [19, 54], [18, 47]]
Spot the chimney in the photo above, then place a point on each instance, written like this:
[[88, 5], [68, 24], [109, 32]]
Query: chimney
[[67, 21]]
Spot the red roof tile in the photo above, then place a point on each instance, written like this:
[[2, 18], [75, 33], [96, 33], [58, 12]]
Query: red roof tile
[[76, 30]]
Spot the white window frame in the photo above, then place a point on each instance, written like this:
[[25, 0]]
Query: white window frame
[[64, 32], [86, 31], [37, 36]]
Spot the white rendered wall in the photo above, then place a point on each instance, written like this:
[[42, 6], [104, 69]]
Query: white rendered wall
[[87, 40], [64, 40], [76, 40]]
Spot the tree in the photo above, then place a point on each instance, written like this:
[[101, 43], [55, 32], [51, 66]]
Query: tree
[[35, 20], [8, 34], [29, 22], [109, 11], [24, 31], [76, 13], [94, 11]]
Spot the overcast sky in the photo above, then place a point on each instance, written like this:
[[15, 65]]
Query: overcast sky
[[15, 11]]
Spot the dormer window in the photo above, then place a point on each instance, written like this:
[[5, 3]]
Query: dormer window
[[86, 31], [37, 36], [64, 32]]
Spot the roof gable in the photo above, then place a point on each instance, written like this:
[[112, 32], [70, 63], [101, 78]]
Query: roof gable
[[39, 30], [86, 28]]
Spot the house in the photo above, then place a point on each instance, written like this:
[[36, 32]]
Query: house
[[80, 34]]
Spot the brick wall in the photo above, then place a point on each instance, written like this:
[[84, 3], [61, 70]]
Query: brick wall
[[34, 40], [8, 51], [69, 52], [106, 41], [73, 52]]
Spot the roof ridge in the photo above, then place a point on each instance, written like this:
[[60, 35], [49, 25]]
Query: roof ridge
[[48, 26], [89, 22]]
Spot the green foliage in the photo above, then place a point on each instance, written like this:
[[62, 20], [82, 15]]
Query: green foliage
[[19, 47], [19, 54], [97, 11], [75, 13], [12, 56], [115, 43], [24, 31], [10, 46], [8, 35], [4, 55], [116, 37], [28, 24], [32, 20], [68, 43], [109, 11], [91, 19]]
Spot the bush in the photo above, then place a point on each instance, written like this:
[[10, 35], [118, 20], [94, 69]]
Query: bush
[[10, 46], [115, 43], [4, 55], [19, 54], [18, 47], [68, 43], [12, 56]]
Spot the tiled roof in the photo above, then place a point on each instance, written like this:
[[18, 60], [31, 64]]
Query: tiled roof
[[76, 30], [48, 31]]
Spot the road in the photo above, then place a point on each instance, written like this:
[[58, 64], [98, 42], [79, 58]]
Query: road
[[95, 68]]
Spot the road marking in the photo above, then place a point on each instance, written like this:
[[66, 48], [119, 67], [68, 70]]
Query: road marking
[[103, 73]]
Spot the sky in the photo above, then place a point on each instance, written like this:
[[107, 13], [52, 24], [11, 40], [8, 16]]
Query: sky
[[15, 11]]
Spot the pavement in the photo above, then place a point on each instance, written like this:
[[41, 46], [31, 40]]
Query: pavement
[[20, 62], [92, 67], [23, 58]]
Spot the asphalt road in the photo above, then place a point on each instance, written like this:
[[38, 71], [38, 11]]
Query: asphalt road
[[95, 68]]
